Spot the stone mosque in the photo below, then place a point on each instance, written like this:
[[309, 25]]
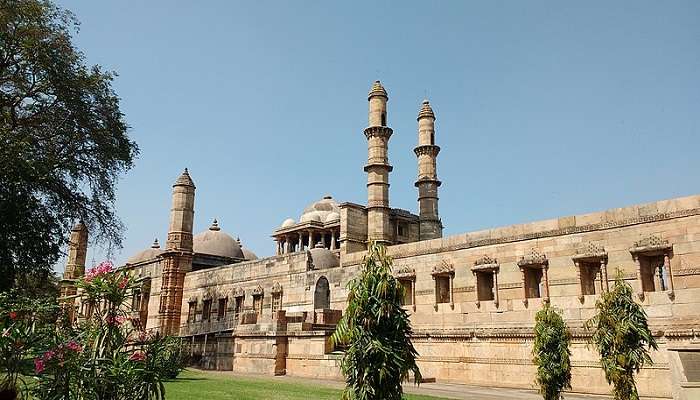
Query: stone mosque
[[472, 297]]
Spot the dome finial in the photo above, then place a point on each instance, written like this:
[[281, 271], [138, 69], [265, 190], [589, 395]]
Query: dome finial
[[377, 90], [184, 179], [214, 226], [426, 110], [155, 244]]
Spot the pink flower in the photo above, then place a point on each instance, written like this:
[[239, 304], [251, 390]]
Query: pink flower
[[105, 267], [72, 345], [13, 315], [115, 320], [39, 365], [137, 356], [49, 355], [124, 282]]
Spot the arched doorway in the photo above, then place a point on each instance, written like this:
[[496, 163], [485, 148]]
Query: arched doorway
[[322, 294]]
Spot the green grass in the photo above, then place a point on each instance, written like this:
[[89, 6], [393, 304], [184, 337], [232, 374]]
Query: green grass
[[193, 384]]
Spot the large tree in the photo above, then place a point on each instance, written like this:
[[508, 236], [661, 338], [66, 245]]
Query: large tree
[[622, 337], [63, 141], [377, 332]]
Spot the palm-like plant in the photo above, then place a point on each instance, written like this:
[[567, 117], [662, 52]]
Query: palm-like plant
[[622, 337], [551, 353], [376, 330]]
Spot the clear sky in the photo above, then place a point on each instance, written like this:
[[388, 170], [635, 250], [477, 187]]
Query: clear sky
[[544, 108]]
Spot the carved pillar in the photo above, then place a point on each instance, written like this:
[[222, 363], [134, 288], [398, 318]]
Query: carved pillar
[[476, 288], [495, 288], [323, 239], [640, 284], [580, 282], [277, 246], [333, 239], [311, 239], [524, 278], [300, 246], [667, 265], [452, 291], [545, 295], [604, 274]]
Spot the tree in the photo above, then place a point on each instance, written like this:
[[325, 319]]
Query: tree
[[622, 338], [551, 353], [63, 141], [377, 332]]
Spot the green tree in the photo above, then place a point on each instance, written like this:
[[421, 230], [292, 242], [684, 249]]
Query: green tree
[[622, 337], [63, 141], [376, 331], [551, 353]]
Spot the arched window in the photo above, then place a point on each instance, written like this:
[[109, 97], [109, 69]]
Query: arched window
[[322, 294]]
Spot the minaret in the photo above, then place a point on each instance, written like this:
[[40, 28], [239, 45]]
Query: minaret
[[75, 266], [378, 168], [427, 183], [177, 257]]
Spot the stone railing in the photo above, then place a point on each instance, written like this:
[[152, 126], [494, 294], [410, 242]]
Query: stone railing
[[211, 326]]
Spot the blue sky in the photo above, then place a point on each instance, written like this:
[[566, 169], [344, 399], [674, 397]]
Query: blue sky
[[544, 108]]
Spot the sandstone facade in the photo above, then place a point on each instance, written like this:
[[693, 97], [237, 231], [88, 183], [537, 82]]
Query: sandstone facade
[[472, 297]]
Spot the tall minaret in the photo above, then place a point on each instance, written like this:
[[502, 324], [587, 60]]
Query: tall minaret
[[75, 266], [177, 257], [427, 183], [378, 168]]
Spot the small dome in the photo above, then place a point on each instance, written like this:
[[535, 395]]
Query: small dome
[[322, 258], [334, 216], [247, 254], [216, 242], [319, 210], [147, 254], [288, 222], [426, 110]]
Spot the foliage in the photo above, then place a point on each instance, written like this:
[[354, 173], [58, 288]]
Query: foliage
[[24, 324], [103, 357], [63, 141], [622, 338], [551, 353], [376, 330]]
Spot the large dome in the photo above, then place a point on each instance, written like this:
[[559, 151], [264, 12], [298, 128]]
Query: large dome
[[216, 242], [147, 254], [320, 210]]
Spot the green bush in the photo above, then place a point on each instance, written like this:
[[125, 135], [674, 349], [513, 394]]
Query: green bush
[[376, 333], [551, 353], [622, 337]]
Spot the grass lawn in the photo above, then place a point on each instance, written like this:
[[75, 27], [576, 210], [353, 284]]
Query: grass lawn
[[193, 384]]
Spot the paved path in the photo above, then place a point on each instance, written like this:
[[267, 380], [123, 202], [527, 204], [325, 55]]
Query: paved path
[[445, 390]]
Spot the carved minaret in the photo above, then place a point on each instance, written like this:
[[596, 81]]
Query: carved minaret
[[427, 183], [177, 257], [75, 266], [378, 168]]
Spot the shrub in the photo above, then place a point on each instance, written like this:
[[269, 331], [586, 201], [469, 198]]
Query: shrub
[[551, 353], [622, 337], [376, 332]]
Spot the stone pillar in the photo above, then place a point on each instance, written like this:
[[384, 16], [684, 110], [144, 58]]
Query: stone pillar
[[177, 257], [427, 183], [604, 274], [75, 267], [640, 284], [287, 248], [333, 239], [667, 266], [323, 239], [524, 278], [545, 276], [300, 245], [580, 281], [495, 288], [378, 168]]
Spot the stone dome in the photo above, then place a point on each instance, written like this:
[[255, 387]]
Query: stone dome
[[287, 223], [247, 254], [216, 242], [319, 211], [322, 258], [334, 216], [146, 254]]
